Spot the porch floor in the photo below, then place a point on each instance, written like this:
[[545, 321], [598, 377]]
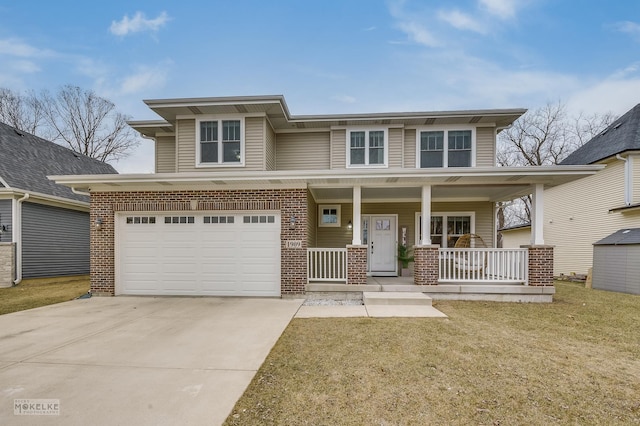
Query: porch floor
[[501, 292]]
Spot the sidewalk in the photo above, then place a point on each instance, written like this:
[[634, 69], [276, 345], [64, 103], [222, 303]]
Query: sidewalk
[[374, 311]]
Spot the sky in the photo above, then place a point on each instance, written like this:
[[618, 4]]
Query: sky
[[328, 56]]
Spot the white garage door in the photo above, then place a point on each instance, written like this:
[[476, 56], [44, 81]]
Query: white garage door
[[215, 253]]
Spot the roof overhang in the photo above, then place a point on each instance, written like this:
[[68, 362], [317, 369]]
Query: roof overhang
[[461, 184], [50, 200], [275, 109]]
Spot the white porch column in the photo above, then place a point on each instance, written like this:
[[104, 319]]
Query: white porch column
[[425, 236], [357, 220], [537, 215]]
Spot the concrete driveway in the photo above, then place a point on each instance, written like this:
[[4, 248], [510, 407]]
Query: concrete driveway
[[137, 360]]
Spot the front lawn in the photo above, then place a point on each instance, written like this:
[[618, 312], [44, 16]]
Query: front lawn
[[36, 292], [575, 361]]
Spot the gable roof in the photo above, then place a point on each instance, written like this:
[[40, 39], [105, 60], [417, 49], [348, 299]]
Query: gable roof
[[27, 160], [622, 135]]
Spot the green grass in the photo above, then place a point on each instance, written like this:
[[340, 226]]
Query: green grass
[[575, 361], [36, 292]]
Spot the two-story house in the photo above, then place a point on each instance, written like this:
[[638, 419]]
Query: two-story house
[[248, 199], [580, 213]]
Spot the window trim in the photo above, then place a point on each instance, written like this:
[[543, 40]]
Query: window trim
[[445, 144], [444, 215], [366, 131], [220, 119], [322, 224]]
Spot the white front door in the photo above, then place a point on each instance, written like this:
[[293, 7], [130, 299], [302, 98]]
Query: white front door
[[382, 245]]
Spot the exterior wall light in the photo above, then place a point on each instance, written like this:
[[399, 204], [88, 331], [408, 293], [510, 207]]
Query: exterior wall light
[[3, 229], [349, 225], [99, 223], [292, 222]]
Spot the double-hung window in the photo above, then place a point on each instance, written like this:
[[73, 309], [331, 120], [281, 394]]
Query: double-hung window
[[220, 142], [367, 148], [445, 148]]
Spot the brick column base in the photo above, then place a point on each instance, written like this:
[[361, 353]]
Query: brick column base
[[356, 264], [7, 264], [540, 265], [425, 264]]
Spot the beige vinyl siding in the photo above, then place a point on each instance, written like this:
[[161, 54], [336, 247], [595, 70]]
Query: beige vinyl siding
[[395, 147], [515, 238], [483, 213], [576, 215], [340, 237], [165, 154], [635, 185], [485, 147], [312, 220], [410, 148], [338, 149], [336, 237], [270, 147], [186, 138], [254, 143], [303, 151]]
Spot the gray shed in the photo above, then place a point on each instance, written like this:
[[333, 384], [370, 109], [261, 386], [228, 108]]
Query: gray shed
[[616, 262]]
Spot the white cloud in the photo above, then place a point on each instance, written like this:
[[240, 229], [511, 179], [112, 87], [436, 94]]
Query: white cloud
[[17, 47], [418, 33], [503, 9], [408, 23], [628, 27], [143, 78], [617, 93], [461, 21], [24, 66], [138, 23]]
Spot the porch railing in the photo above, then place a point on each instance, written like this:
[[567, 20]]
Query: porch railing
[[483, 265], [327, 264]]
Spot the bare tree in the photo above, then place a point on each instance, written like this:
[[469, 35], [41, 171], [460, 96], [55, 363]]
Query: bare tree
[[22, 112], [541, 137], [88, 124], [76, 118]]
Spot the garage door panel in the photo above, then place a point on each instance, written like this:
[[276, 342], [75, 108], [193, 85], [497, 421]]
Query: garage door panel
[[201, 257]]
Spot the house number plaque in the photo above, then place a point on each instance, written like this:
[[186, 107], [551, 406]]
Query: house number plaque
[[293, 244]]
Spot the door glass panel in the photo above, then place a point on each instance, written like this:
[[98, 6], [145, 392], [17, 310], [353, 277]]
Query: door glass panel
[[365, 231]]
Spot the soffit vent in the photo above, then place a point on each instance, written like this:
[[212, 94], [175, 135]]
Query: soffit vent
[[195, 110], [429, 121], [241, 108], [475, 119]]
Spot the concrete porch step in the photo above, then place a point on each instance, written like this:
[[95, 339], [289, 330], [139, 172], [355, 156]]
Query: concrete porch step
[[395, 298]]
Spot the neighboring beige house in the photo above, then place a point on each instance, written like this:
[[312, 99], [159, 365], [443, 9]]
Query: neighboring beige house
[[579, 213], [516, 236], [248, 199]]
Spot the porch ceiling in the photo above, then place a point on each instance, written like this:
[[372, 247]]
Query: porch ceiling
[[439, 193]]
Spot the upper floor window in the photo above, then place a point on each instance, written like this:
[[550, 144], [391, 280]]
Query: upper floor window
[[367, 148], [220, 142], [445, 148]]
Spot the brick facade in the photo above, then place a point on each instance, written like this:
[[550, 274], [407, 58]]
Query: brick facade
[[540, 265], [425, 265], [290, 203], [7, 264], [356, 265]]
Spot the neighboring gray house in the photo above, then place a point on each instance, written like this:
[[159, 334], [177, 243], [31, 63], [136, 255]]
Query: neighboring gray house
[[44, 227]]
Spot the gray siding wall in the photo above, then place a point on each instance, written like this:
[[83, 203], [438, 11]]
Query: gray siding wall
[[5, 219], [617, 268], [55, 241]]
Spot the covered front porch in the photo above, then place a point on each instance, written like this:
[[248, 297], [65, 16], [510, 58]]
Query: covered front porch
[[370, 221]]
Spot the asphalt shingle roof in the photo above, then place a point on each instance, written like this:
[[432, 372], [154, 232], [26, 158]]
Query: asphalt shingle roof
[[26, 161], [622, 135], [621, 237]]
